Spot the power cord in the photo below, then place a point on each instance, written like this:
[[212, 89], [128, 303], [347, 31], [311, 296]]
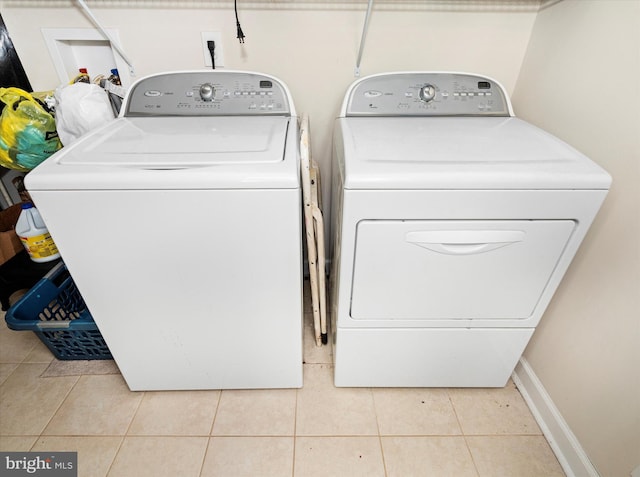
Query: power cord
[[240, 34], [212, 50]]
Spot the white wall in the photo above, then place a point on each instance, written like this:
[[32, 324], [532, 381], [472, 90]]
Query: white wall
[[313, 49], [580, 80]]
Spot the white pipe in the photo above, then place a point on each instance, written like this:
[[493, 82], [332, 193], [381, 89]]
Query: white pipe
[[107, 36], [364, 35]]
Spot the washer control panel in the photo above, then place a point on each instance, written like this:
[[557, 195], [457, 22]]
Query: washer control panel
[[208, 93], [427, 94]]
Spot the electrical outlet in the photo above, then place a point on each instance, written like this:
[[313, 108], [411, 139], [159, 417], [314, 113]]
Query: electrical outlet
[[218, 53]]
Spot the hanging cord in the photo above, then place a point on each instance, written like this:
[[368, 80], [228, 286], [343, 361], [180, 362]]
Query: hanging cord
[[240, 35]]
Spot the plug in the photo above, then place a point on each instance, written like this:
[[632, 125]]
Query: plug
[[212, 51], [212, 39]]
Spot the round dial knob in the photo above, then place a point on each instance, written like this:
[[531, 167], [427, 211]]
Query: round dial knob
[[427, 93], [207, 92]]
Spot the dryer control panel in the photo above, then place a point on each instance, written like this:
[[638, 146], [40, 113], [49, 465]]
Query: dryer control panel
[[208, 93], [426, 94]]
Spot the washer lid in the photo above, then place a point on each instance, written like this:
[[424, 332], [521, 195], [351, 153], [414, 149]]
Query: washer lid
[[461, 153], [179, 143], [177, 152]]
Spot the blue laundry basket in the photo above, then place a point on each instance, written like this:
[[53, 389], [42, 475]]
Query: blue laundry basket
[[55, 311]]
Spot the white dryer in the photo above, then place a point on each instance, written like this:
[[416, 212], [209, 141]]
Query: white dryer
[[453, 224], [180, 223]]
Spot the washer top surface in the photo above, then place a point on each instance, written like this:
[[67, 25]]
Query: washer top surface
[[182, 142], [450, 131], [190, 130]]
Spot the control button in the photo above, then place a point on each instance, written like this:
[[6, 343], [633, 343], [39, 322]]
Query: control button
[[408, 94], [445, 94], [463, 93], [427, 93], [269, 93], [252, 93], [207, 92], [470, 93], [488, 93], [480, 93], [253, 106], [237, 93], [372, 94], [152, 93], [227, 94], [189, 94], [456, 94], [269, 106]]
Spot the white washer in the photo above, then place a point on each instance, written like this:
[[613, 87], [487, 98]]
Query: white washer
[[180, 222], [453, 224]]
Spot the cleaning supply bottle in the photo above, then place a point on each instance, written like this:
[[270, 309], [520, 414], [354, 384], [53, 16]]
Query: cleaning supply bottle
[[35, 236], [115, 77], [83, 76]]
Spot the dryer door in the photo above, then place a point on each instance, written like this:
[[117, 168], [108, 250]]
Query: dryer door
[[477, 269]]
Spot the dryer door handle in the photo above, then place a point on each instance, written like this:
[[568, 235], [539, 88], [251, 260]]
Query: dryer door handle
[[464, 242]]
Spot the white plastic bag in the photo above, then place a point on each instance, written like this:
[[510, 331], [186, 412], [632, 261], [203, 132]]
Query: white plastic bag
[[80, 108]]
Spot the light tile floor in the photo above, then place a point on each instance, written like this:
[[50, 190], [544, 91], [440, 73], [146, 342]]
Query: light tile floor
[[318, 430]]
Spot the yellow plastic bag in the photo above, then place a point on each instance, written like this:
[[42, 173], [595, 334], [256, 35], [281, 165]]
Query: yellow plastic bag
[[27, 131]]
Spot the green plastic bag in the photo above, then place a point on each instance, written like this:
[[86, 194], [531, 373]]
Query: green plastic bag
[[27, 131]]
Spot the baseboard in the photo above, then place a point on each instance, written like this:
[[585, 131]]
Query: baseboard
[[563, 442]]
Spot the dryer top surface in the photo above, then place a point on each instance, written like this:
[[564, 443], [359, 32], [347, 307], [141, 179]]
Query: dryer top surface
[[460, 153]]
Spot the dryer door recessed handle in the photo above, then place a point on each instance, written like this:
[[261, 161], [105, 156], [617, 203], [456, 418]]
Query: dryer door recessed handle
[[464, 242]]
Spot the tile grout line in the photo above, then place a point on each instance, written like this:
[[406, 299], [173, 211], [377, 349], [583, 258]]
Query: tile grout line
[[115, 455], [133, 416], [22, 361], [42, 436], [62, 401], [126, 433], [463, 434], [210, 436], [215, 414], [295, 429], [375, 411], [204, 457]]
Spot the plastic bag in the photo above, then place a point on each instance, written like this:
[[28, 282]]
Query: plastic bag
[[27, 130], [80, 108]]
